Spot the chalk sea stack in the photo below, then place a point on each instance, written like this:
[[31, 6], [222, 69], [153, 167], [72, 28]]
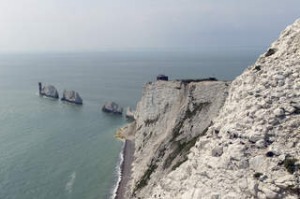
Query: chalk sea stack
[[48, 91], [112, 107], [72, 97], [129, 113]]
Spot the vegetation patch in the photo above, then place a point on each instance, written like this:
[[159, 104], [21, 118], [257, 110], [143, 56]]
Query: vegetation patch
[[148, 122], [187, 115], [185, 158], [297, 110], [187, 81], [270, 52], [198, 107], [147, 136], [151, 169], [145, 178], [270, 154], [181, 149], [176, 130], [290, 164], [257, 68], [293, 189], [257, 175]]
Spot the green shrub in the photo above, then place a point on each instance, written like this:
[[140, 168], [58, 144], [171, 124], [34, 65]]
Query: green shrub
[[257, 175], [180, 149], [145, 178], [290, 164], [148, 122]]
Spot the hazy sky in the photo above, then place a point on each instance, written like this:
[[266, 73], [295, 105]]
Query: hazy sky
[[78, 25]]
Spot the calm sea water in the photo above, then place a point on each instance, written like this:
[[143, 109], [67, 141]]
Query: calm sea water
[[50, 149]]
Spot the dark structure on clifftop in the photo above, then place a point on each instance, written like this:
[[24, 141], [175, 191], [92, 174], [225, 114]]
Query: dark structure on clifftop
[[162, 77]]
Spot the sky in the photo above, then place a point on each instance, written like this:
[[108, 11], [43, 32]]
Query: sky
[[97, 25]]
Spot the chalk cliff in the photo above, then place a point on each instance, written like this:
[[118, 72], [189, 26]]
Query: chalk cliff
[[190, 144], [169, 119]]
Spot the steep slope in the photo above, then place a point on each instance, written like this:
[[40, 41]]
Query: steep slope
[[190, 144], [170, 117], [251, 150]]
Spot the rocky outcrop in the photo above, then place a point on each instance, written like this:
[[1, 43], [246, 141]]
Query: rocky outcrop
[[112, 107], [48, 91], [189, 146], [129, 113], [72, 97]]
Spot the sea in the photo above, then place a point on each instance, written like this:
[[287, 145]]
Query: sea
[[50, 149]]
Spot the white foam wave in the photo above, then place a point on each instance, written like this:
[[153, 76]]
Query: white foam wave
[[119, 173], [70, 183]]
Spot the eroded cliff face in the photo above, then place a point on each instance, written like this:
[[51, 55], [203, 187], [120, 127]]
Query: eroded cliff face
[[189, 146], [170, 117]]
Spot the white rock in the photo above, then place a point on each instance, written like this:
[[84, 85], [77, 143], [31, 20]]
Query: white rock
[[290, 109], [287, 179], [260, 143], [252, 187], [257, 163], [268, 193], [255, 137], [261, 195], [275, 150], [72, 97], [278, 112], [279, 77], [49, 91], [217, 151]]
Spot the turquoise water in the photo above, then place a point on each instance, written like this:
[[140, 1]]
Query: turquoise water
[[50, 149]]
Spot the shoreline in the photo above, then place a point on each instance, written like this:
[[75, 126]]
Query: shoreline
[[125, 170]]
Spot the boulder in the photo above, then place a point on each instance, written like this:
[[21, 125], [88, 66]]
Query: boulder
[[72, 97], [112, 107], [217, 151], [48, 91]]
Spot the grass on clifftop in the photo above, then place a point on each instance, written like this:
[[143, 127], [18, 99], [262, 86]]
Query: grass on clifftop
[[290, 165], [148, 122]]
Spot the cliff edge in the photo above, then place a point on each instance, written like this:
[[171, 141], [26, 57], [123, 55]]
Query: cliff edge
[[190, 144], [169, 119]]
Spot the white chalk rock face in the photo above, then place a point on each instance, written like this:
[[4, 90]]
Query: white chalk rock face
[[49, 91], [169, 119], [251, 148], [72, 97]]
